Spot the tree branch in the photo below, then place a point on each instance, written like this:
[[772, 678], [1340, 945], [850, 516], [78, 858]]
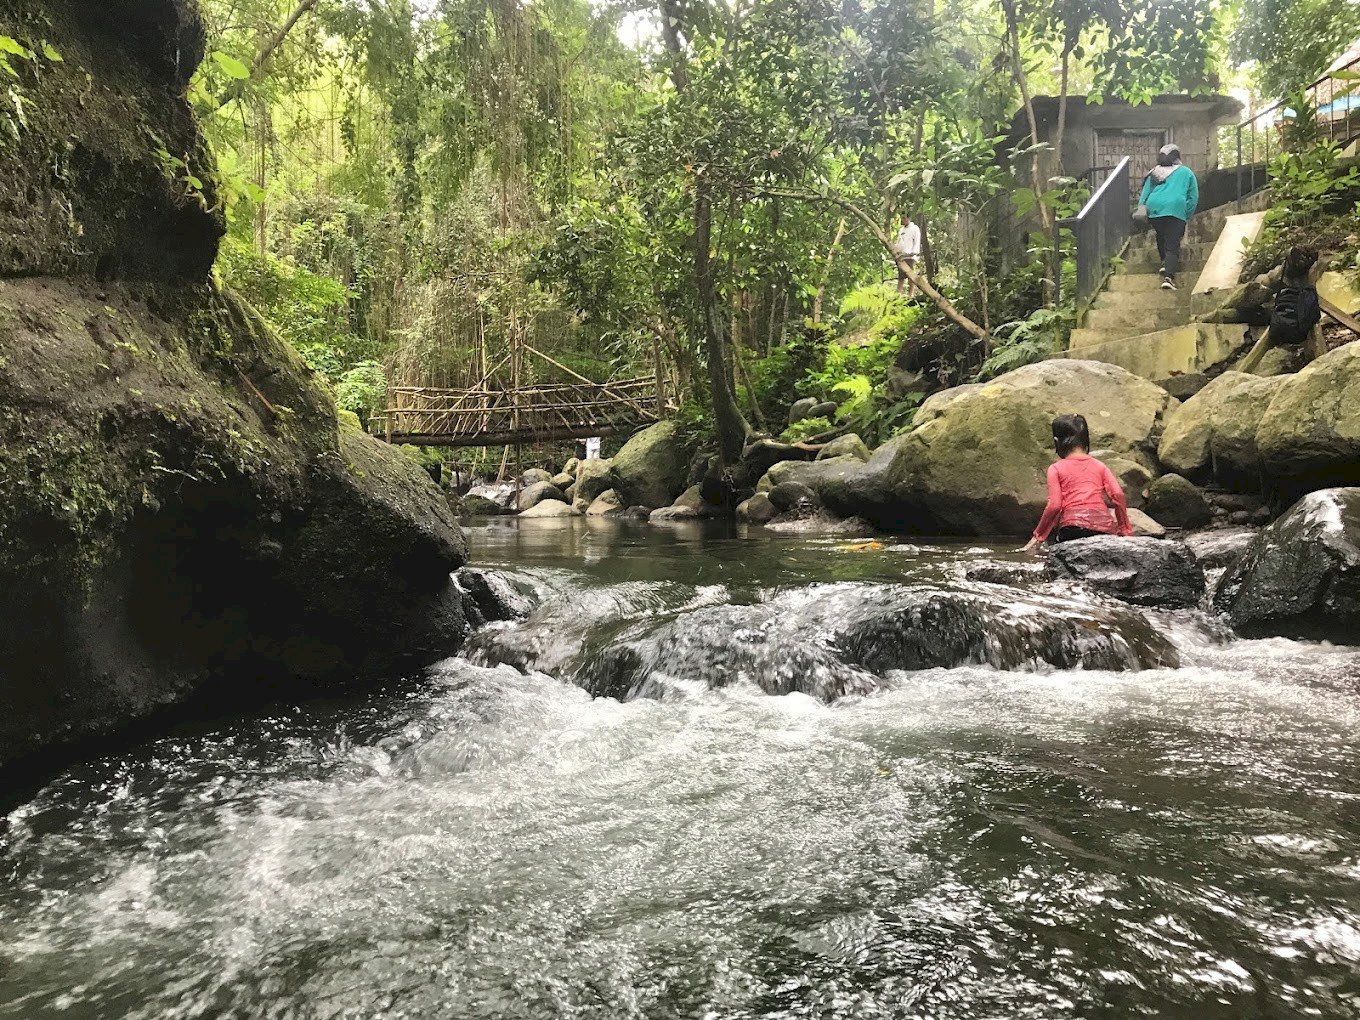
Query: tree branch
[[266, 53], [903, 266]]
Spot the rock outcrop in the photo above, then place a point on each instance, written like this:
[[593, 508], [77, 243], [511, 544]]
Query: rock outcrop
[[184, 519], [1300, 576], [1143, 571]]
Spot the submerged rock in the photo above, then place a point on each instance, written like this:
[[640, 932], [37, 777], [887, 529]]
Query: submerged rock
[[548, 509], [675, 513], [490, 597], [1144, 571], [477, 506], [1301, 575], [827, 641]]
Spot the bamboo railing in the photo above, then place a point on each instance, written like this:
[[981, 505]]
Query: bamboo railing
[[481, 416]]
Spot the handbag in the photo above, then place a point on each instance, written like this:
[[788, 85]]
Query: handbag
[[1141, 220]]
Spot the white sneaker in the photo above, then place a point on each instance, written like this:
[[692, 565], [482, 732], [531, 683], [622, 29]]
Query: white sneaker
[[1168, 283]]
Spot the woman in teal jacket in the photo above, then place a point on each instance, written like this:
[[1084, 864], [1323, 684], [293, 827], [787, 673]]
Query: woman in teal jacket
[[1171, 194]]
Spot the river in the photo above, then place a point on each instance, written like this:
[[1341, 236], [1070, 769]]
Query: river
[[492, 842]]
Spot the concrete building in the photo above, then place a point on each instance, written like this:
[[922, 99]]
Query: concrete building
[[1101, 134]]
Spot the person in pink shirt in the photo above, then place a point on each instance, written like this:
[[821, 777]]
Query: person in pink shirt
[[1084, 497]]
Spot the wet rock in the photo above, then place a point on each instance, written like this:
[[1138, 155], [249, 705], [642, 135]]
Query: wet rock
[[1144, 526], [564, 480], [675, 513], [491, 598], [478, 506], [849, 445], [1016, 574], [650, 470], [502, 494], [547, 509], [536, 493], [1221, 547], [757, 510], [693, 498], [1143, 571], [788, 495], [1309, 436], [828, 479], [802, 409], [976, 461], [1300, 576], [608, 502], [1176, 502]]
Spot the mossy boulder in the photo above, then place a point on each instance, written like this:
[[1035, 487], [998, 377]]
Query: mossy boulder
[[185, 519], [1309, 435], [1177, 502], [976, 460], [652, 467], [1213, 434]]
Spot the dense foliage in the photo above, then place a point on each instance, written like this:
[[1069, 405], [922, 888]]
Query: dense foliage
[[714, 184]]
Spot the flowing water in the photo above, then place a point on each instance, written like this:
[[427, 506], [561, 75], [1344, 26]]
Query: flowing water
[[813, 794]]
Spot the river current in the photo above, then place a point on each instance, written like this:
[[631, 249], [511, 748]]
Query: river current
[[489, 840]]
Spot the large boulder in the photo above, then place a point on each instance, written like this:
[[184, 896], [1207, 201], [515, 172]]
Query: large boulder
[[1143, 571], [651, 468], [1213, 434], [976, 461], [1300, 576], [185, 526], [1309, 436], [536, 494], [1177, 502]]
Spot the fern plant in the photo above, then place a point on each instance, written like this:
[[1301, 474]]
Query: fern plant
[[1026, 341]]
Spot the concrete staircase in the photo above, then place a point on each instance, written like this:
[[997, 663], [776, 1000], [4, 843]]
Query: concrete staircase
[[1151, 332]]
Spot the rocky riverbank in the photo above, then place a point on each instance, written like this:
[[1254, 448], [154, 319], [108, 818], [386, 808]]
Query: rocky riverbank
[[181, 504]]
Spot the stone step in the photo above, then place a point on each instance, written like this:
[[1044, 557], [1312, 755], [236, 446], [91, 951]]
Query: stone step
[[1116, 323], [1145, 297], [1191, 262], [1183, 350], [1135, 283]]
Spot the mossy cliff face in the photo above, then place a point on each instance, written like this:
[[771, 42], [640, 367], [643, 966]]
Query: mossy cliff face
[[182, 518]]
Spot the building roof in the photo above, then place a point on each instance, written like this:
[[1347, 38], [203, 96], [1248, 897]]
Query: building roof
[[1221, 108]]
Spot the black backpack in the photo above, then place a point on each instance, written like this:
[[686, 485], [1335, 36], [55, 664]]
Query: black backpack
[[1296, 312]]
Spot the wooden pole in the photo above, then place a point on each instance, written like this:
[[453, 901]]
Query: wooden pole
[[660, 376]]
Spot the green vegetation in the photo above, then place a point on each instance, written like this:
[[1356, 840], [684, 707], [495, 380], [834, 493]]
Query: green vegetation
[[413, 189]]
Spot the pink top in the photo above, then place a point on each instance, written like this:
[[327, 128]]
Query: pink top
[[1078, 487]]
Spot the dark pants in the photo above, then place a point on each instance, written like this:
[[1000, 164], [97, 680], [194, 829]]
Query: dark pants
[[1170, 232], [1072, 534]]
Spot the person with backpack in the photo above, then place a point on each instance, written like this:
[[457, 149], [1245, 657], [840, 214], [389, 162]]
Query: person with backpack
[[1170, 197], [1297, 307]]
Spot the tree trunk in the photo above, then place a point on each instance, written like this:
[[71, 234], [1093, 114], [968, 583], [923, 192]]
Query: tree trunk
[[728, 420], [1036, 164], [1055, 265], [826, 271]]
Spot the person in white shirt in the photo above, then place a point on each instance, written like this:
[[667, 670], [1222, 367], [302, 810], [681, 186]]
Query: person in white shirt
[[593, 448], [908, 246]]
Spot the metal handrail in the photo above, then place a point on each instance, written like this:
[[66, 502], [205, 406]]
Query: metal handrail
[[1102, 228], [1348, 135]]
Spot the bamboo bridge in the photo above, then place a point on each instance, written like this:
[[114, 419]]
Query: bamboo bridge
[[519, 414]]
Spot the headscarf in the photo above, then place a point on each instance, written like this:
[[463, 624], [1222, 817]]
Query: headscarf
[[1168, 162]]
